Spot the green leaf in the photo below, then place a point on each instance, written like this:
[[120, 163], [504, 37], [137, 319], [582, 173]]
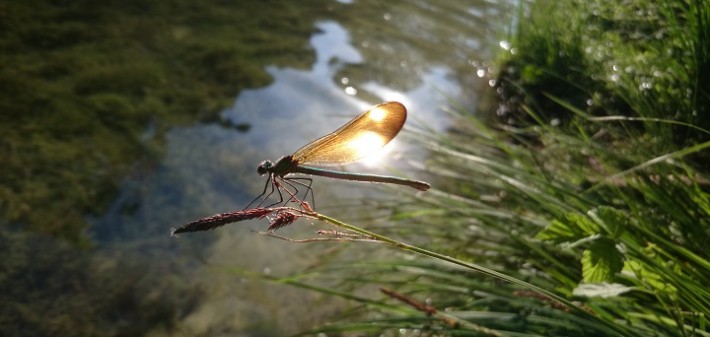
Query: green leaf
[[558, 231], [611, 220], [585, 225], [601, 261], [573, 227]]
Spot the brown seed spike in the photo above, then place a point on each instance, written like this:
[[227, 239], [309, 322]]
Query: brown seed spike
[[281, 220], [219, 220]]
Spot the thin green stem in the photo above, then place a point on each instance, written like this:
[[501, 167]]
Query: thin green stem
[[486, 271]]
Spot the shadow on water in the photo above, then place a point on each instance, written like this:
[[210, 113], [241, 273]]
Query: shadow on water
[[118, 117]]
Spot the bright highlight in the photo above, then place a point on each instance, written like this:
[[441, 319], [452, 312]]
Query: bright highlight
[[377, 114], [366, 143]]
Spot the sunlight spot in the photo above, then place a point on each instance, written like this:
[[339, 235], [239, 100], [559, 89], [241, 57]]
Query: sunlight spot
[[384, 154], [505, 45], [367, 143]]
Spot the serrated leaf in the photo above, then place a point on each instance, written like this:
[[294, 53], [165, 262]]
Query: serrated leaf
[[559, 231], [573, 227], [601, 261], [611, 220], [583, 223], [604, 290]]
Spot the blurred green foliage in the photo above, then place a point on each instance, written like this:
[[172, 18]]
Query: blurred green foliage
[[636, 59]]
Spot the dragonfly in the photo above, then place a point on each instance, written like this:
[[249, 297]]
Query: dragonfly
[[357, 139]]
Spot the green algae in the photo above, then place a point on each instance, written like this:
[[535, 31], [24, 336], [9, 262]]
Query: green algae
[[82, 83]]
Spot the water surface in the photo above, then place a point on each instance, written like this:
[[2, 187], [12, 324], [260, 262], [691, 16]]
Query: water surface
[[421, 53]]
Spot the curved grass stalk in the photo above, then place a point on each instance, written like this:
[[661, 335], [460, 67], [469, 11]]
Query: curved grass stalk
[[615, 328]]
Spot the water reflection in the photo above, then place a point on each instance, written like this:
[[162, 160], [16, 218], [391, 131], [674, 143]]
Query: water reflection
[[415, 52], [302, 105], [299, 106]]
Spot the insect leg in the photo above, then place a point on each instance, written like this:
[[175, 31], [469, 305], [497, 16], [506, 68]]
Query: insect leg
[[305, 182], [276, 185], [263, 196], [293, 194]]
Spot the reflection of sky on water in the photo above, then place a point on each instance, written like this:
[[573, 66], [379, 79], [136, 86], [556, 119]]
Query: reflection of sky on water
[[209, 168], [212, 169], [302, 105]]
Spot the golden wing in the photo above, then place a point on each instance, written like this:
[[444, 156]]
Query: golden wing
[[360, 137]]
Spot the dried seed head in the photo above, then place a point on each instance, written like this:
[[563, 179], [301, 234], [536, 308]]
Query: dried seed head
[[281, 220], [219, 220]]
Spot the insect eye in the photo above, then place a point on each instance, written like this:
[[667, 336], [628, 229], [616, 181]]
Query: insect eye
[[263, 167]]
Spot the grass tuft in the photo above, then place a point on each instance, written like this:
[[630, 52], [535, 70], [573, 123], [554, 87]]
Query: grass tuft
[[592, 185]]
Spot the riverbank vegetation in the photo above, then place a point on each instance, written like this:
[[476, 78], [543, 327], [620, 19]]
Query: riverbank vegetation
[[590, 182]]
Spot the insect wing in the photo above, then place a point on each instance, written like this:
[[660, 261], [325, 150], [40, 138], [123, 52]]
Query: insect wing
[[360, 137]]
